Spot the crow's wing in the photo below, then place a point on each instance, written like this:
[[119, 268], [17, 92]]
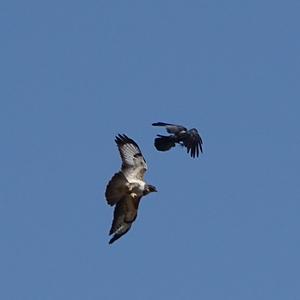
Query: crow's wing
[[171, 128], [188, 138], [164, 143], [125, 214], [133, 163], [192, 141]]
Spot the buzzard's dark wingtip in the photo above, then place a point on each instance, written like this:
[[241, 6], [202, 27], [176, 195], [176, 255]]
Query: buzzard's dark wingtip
[[118, 138], [122, 139]]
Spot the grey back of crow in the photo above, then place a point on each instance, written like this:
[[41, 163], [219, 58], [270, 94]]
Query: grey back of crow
[[179, 134]]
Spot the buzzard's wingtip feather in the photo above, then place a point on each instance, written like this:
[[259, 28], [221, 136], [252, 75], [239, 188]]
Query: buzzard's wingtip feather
[[122, 139]]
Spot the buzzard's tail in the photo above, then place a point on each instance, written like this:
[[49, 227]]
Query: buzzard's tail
[[116, 188], [164, 143], [115, 237]]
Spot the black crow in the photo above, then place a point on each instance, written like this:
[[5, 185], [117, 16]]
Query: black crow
[[180, 135]]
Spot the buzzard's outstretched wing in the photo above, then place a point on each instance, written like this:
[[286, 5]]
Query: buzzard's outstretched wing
[[133, 168], [181, 135], [125, 214], [133, 162], [116, 188]]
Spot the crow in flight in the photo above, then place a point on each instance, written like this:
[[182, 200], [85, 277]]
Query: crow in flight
[[127, 187], [180, 135]]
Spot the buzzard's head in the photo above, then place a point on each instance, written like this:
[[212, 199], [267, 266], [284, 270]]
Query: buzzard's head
[[149, 189]]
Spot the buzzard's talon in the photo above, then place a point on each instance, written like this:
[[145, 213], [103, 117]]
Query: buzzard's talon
[[133, 195]]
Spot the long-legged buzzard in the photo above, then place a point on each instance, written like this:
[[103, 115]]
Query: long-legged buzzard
[[127, 187]]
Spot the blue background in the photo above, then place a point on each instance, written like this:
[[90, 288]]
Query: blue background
[[75, 73]]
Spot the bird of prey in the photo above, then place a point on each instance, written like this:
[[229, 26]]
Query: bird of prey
[[180, 135], [127, 187]]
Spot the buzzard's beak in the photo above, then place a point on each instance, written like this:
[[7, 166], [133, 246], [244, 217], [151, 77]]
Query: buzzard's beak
[[152, 188]]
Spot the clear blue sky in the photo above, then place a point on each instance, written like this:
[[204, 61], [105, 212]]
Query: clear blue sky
[[75, 73]]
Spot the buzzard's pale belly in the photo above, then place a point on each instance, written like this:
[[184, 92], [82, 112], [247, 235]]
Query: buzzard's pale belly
[[137, 182], [136, 187]]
